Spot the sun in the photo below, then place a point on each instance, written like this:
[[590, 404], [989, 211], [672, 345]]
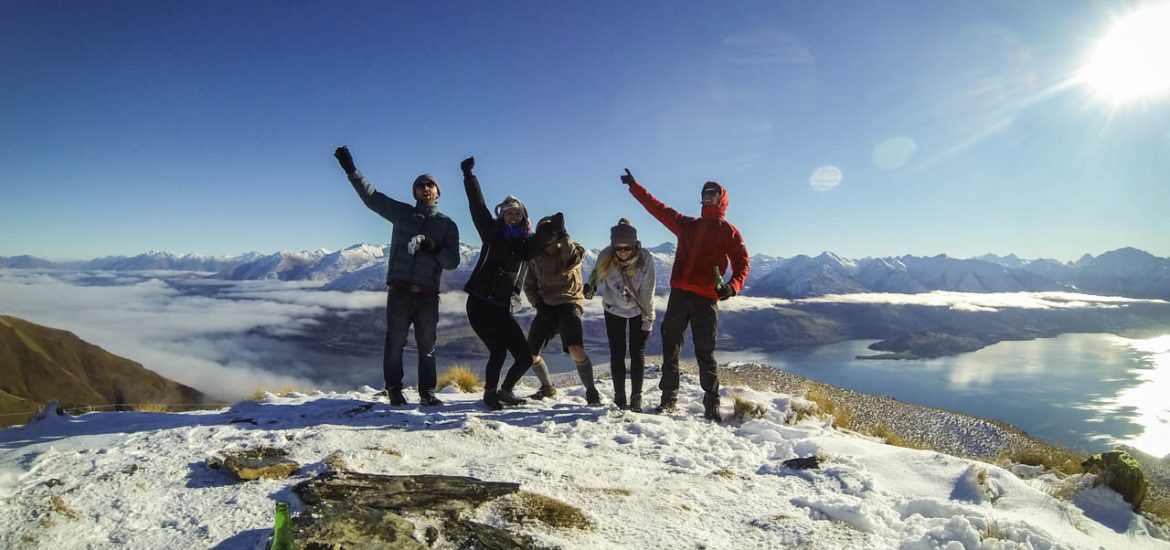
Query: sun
[[1132, 60]]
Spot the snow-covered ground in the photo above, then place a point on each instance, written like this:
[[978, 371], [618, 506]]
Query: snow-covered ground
[[647, 481]]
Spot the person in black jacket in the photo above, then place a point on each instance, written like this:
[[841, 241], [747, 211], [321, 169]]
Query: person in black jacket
[[424, 243], [493, 289]]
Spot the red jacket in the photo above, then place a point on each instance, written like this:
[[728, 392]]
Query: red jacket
[[704, 243]]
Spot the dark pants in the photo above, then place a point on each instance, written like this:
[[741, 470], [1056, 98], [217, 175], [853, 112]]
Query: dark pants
[[564, 319], [615, 329], [702, 314], [404, 308], [502, 335]]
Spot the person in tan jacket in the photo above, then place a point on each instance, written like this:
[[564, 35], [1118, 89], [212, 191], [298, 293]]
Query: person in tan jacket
[[554, 286]]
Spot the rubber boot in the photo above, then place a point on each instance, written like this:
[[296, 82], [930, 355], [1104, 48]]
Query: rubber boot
[[636, 402]]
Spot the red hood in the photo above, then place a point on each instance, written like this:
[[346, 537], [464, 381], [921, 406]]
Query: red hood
[[718, 210]]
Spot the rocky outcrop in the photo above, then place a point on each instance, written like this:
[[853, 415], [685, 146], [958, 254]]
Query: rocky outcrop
[[1122, 473], [358, 510]]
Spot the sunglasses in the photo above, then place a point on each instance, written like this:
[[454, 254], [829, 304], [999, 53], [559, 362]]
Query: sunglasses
[[623, 248]]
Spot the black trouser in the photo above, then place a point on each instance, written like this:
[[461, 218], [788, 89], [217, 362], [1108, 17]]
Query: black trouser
[[502, 335], [702, 314], [404, 308], [615, 329]]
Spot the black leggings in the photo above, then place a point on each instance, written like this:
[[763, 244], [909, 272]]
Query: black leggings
[[615, 329], [500, 332]]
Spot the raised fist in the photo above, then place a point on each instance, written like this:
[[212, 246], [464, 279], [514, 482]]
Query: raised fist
[[467, 164], [345, 159]]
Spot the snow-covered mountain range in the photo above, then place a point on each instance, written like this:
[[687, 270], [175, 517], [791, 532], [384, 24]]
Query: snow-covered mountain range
[[1123, 272]]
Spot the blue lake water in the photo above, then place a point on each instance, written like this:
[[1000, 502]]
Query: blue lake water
[[1085, 391]]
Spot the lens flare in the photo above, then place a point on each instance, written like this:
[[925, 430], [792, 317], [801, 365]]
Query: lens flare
[[1132, 59]]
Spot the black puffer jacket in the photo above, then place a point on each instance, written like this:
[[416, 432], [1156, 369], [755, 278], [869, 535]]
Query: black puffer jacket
[[499, 271]]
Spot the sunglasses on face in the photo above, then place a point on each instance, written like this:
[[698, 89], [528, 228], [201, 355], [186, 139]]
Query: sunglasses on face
[[425, 184], [623, 249]]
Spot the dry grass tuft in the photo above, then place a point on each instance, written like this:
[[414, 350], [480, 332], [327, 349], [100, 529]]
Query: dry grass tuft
[[612, 491], [463, 378], [842, 415], [336, 462], [892, 437], [525, 506], [152, 407], [1051, 457], [1158, 507], [745, 409], [387, 451], [60, 507], [724, 473]]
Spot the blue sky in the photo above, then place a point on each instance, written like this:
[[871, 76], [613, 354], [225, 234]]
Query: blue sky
[[209, 126]]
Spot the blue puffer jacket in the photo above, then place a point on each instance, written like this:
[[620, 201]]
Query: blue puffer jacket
[[421, 268]]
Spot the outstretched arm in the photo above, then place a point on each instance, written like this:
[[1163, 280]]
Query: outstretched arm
[[669, 217], [375, 200], [480, 215]]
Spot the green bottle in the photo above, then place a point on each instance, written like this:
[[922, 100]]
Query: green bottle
[[282, 536], [719, 282]]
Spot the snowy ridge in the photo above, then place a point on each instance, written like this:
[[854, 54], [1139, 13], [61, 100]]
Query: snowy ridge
[[1123, 272], [646, 481]]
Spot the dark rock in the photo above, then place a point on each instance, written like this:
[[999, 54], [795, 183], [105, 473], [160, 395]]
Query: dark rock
[[806, 463], [1122, 473], [472, 535], [421, 493], [339, 524]]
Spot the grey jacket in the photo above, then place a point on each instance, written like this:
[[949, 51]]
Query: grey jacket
[[618, 294], [421, 268]]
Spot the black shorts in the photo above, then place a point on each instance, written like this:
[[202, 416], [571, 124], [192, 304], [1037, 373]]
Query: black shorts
[[564, 319]]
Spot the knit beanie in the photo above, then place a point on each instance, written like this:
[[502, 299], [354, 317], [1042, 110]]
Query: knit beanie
[[422, 179], [512, 203], [623, 233]]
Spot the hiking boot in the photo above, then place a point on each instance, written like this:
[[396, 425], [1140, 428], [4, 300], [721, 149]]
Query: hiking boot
[[669, 404], [394, 395], [619, 399], [543, 392], [712, 414], [636, 403], [711, 407], [508, 398], [429, 400], [592, 398], [491, 401]]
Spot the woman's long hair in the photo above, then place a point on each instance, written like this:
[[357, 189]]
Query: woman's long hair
[[608, 259]]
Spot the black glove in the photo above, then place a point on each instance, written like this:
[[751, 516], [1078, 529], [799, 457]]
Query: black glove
[[428, 245], [725, 292], [590, 291], [344, 159], [628, 178], [467, 164]]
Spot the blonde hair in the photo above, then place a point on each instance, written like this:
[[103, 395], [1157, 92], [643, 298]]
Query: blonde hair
[[607, 259]]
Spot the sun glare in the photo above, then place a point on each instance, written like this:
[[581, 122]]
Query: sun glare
[[1132, 60]]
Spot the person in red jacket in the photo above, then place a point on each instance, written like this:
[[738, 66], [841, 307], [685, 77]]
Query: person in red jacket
[[706, 245]]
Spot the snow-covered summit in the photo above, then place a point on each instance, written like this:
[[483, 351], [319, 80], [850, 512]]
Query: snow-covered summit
[[645, 481]]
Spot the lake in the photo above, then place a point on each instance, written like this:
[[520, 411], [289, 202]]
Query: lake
[[1085, 391]]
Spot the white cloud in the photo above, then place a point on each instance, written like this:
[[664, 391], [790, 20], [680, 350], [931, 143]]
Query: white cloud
[[990, 302], [202, 341], [825, 178]]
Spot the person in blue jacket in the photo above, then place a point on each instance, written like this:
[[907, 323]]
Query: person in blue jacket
[[424, 243]]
